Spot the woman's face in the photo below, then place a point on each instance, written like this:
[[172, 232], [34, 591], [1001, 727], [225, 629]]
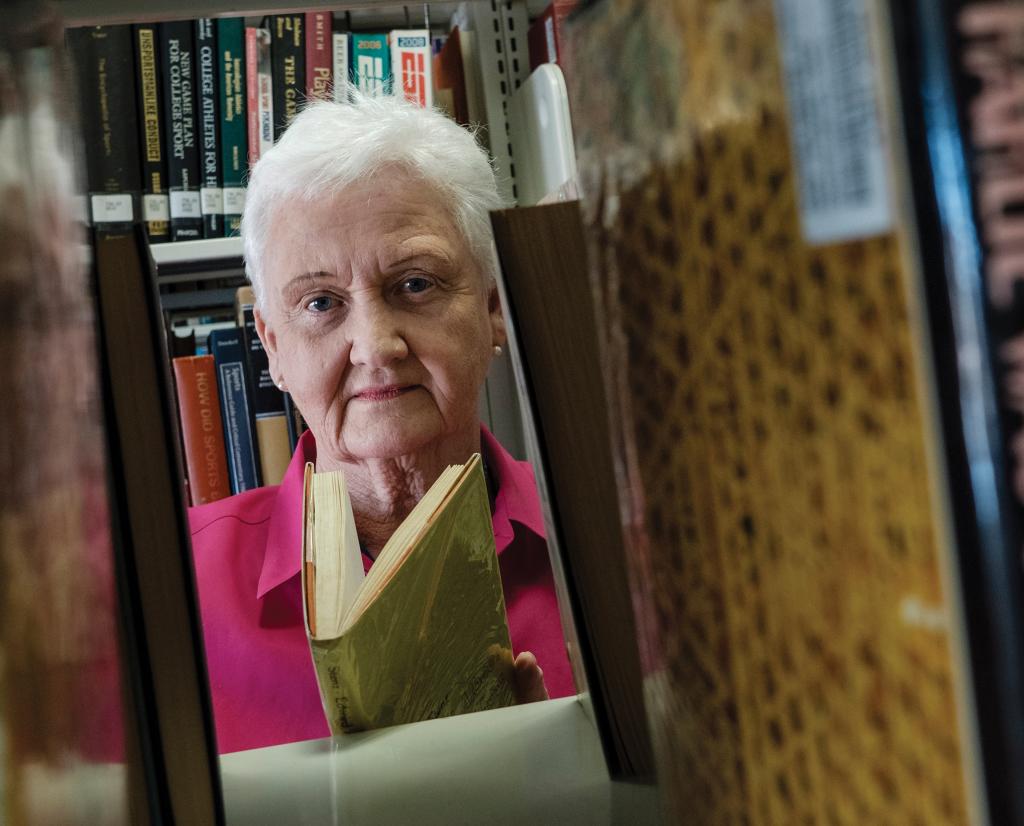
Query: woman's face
[[377, 319]]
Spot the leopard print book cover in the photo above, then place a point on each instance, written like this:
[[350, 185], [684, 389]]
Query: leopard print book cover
[[785, 553]]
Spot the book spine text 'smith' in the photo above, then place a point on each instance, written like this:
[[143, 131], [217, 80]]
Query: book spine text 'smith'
[[228, 350], [288, 50], [233, 124], [211, 194], [201, 429], [259, 92], [156, 211], [268, 406], [319, 68], [412, 66], [177, 64], [342, 65], [106, 93], [371, 64]]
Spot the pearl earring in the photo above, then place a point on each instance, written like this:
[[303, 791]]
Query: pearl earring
[[497, 350], [280, 386]]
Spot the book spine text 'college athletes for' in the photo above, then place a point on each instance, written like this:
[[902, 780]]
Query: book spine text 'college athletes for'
[[207, 93], [177, 59]]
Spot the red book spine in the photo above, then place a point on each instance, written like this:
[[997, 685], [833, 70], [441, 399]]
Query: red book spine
[[252, 94], [319, 64], [201, 429]]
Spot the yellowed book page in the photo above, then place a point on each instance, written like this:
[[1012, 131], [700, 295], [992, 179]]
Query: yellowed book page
[[435, 642]]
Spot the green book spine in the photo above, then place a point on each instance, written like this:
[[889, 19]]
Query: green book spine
[[371, 64], [233, 135]]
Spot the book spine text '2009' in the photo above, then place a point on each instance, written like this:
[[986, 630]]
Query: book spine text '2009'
[[177, 65]]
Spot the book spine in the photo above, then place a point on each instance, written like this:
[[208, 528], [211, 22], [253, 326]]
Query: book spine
[[371, 64], [177, 64], [201, 429], [265, 90], [541, 39], [319, 66], [342, 72], [106, 90], [412, 66], [228, 350], [156, 210], [288, 51], [233, 90], [211, 192], [268, 406]]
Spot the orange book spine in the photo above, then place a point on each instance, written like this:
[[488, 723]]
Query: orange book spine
[[201, 429]]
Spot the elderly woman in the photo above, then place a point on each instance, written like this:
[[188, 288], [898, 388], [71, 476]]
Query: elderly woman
[[367, 241]]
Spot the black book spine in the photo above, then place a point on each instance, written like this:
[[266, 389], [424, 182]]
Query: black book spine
[[177, 65], [155, 206], [211, 182], [105, 75], [288, 50]]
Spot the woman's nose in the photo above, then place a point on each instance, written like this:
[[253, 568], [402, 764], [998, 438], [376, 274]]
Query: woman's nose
[[376, 336]]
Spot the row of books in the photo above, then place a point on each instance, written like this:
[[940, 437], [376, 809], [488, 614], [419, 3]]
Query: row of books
[[175, 113], [237, 429]]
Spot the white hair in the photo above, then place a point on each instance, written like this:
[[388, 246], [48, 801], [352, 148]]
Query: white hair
[[330, 146]]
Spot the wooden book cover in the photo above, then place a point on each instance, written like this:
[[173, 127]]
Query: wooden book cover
[[152, 536], [201, 429], [424, 635], [774, 421], [543, 259]]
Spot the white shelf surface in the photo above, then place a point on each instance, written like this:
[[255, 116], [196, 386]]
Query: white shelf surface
[[198, 252], [535, 764]]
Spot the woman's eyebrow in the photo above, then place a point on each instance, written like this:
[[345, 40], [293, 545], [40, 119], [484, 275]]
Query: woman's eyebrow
[[305, 280], [416, 256]]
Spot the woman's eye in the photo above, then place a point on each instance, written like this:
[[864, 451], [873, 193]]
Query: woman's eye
[[415, 284], [321, 304]]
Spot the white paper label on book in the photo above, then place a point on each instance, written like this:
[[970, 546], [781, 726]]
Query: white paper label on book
[[156, 207], [835, 128], [234, 200], [212, 198], [186, 204], [110, 208]]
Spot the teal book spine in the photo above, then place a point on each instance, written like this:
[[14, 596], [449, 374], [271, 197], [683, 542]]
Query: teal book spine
[[371, 64], [233, 124]]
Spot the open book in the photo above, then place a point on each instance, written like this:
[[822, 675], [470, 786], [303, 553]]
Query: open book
[[424, 634]]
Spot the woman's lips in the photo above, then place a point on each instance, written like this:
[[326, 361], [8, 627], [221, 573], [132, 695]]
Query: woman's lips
[[384, 392]]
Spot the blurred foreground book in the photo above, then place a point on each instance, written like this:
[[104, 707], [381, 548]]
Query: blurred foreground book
[[424, 634]]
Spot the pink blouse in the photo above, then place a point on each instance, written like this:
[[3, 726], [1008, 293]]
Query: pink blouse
[[247, 551]]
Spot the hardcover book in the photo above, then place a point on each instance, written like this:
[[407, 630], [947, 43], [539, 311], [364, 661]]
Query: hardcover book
[[547, 32], [259, 92], [106, 93], [207, 94], [319, 56], [156, 208], [371, 64], [233, 124], [177, 64], [201, 429], [412, 66], [424, 633], [229, 357], [288, 52], [268, 403]]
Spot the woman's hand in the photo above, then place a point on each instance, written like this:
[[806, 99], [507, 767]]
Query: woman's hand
[[529, 679]]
